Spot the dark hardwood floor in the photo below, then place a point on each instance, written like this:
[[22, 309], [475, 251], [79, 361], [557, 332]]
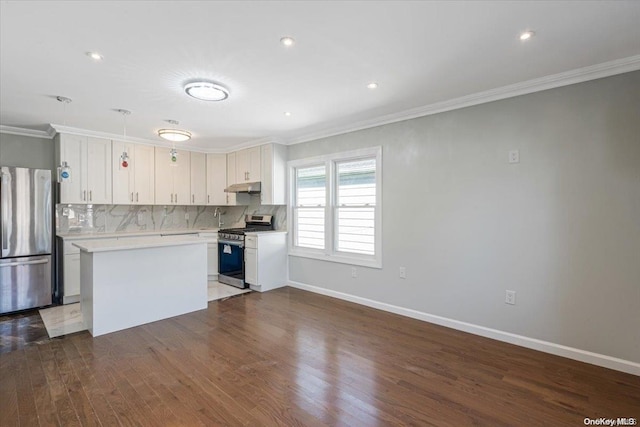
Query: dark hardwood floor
[[289, 357], [20, 330]]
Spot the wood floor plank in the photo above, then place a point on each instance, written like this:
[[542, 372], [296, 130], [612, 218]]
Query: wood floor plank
[[8, 390], [289, 357]]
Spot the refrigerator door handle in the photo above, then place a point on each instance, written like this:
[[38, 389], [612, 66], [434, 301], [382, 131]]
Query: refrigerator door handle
[[13, 264], [4, 212]]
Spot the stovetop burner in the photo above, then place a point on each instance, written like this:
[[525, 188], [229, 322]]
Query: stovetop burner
[[254, 223], [237, 230]]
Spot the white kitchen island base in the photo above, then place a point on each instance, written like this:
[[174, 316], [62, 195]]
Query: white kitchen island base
[[141, 281]]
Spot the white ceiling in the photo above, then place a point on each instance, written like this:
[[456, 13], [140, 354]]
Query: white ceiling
[[420, 53]]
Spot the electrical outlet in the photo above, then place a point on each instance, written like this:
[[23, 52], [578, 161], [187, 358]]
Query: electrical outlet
[[186, 216], [514, 156], [65, 211], [354, 272], [403, 272], [510, 297]]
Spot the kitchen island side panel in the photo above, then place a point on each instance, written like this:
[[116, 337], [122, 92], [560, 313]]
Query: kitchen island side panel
[[136, 286]]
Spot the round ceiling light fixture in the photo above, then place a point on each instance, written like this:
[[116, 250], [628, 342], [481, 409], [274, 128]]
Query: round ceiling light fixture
[[174, 135], [372, 85], [206, 91]]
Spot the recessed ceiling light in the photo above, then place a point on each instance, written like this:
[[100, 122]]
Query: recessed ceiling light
[[527, 35], [174, 135], [287, 41], [287, 113], [206, 91], [372, 85], [95, 55]]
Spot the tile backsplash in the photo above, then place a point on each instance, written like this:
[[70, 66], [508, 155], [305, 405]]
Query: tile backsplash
[[130, 218]]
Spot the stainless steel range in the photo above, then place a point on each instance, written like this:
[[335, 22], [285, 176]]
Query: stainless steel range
[[231, 249]]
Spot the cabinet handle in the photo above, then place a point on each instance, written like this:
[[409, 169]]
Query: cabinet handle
[[193, 198], [171, 197], [208, 198], [132, 197], [137, 196], [90, 195], [176, 197], [84, 195]]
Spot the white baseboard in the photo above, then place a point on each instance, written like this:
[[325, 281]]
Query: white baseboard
[[532, 343]]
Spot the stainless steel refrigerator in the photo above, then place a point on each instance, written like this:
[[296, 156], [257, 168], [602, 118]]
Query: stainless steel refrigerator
[[25, 238]]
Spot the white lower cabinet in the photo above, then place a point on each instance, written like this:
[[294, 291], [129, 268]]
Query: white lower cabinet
[[212, 254], [251, 266], [71, 278], [265, 260]]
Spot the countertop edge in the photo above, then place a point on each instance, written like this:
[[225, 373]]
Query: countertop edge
[[93, 247]]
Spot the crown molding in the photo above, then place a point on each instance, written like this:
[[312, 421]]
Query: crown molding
[[605, 69], [257, 142], [11, 130]]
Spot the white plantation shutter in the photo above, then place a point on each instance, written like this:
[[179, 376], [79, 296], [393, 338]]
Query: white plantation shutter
[[309, 209], [355, 206], [335, 207]]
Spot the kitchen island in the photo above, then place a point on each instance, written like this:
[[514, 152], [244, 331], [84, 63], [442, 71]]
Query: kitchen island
[[126, 283]]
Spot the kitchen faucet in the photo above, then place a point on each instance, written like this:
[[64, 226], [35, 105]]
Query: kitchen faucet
[[218, 214]]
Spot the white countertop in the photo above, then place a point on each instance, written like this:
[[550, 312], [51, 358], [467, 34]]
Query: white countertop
[[87, 236], [98, 245]]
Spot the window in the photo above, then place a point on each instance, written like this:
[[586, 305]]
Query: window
[[335, 207]]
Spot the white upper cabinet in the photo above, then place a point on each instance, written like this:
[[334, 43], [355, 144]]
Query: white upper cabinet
[[216, 179], [248, 165], [172, 178], [274, 175], [90, 163], [144, 177], [198, 182], [134, 183]]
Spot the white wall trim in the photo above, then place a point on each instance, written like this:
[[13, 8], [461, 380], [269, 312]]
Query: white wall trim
[[520, 340], [566, 78], [24, 132]]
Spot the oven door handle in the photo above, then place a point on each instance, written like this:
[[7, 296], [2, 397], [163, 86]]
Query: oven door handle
[[231, 242]]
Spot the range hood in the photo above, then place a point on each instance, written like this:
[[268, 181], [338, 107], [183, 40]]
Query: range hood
[[247, 187]]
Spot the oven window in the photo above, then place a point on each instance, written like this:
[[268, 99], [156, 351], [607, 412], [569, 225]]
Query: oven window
[[230, 258]]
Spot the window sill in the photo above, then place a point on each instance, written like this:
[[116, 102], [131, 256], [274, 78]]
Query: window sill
[[342, 259]]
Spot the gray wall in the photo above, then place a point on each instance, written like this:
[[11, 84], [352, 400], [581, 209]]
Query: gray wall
[[26, 152], [562, 227]]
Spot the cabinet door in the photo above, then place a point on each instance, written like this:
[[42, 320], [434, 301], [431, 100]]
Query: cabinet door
[[242, 166], [251, 266], [143, 175], [216, 179], [182, 179], [254, 164], [231, 178], [163, 176], [122, 177], [73, 150], [212, 259], [99, 171], [71, 275], [198, 183]]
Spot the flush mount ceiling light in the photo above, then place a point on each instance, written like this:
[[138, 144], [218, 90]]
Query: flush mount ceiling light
[[372, 85], [527, 35], [95, 56], [206, 91], [287, 41], [174, 135]]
